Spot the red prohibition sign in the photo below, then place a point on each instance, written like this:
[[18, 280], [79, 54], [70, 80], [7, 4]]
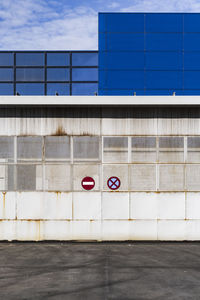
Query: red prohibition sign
[[88, 183], [113, 183]]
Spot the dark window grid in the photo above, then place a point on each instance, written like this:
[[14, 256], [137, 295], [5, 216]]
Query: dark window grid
[[45, 74], [49, 67], [45, 66], [14, 72], [50, 81], [70, 75]]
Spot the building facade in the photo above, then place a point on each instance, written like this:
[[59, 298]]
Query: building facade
[[104, 167]]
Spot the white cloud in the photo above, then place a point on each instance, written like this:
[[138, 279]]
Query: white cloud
[[27, 24], [163, 6], [52, 25]]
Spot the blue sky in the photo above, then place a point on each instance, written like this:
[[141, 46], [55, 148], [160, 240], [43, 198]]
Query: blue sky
[[68, 24]]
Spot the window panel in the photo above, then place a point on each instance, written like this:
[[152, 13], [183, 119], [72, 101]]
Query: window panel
[[29, 59], [143, 149], [58, 59], [60, 88], [84, 59], [164, 60], [122, 60], [29, 148], [192, 79], [123, 80], [143, 177], [171, 149], [161, 92], [30, 74], [85, 74], [171, 177], [193, 148], [84, 88], [3, 177], [120, 171], [57, 147], [6, 59], [29, 177], [193, 177], [86, 148], [166, 22], [118, 92], [164, 42], [191, 41], [192, 22], [164, 79], [10, 181], [128, 41], [6, 149], [6, 89], [189, 92], [81, 171], [115, 149], [30, 89], [6, 74], [57, 74], [57, 178], [102, 42], [191, 60], [120, 22]]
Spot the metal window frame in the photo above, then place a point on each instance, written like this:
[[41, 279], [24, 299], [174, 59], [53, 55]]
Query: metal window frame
[[45, 67]]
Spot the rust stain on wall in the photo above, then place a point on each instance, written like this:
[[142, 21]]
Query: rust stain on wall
[[59, 131]]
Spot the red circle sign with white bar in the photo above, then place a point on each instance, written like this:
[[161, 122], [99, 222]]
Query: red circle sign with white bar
[[88, 183]]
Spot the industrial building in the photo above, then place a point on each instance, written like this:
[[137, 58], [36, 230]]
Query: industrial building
[[104, 145]]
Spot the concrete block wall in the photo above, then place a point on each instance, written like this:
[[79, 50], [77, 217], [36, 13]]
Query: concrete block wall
[[100, 216], [159, 198]]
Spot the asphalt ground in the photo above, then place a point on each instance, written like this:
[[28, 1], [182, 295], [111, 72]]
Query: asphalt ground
[[122, 271]]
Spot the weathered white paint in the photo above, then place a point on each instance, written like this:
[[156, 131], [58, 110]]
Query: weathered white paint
[[168, 210], [99, 216]]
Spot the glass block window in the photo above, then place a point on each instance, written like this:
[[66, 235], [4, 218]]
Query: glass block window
[[6, 149], [115, 149], [193, 149], [57, 147], [86, 148], [171, 149], [29, 148], [143, 149]]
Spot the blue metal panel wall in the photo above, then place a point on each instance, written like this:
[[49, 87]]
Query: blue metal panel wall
[[150, 54]]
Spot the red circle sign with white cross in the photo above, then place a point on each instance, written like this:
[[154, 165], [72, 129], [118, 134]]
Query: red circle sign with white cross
[[88, 183]]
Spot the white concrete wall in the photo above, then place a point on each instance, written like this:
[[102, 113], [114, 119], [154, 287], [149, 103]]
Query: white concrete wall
[[99, 216], [135, 212]]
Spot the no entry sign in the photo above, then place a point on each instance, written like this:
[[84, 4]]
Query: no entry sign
[[88, 183], [113, 183]]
